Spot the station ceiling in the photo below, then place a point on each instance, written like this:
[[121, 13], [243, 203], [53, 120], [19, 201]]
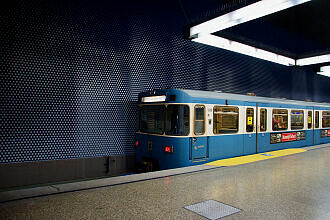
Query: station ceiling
[[297, 32]]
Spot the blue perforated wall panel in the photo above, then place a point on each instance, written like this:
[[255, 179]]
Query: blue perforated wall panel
[[71, 72]]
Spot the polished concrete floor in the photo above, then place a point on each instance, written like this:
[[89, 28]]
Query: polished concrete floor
[[290, 187]]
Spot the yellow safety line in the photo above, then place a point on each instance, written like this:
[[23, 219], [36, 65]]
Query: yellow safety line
[[255, 157]]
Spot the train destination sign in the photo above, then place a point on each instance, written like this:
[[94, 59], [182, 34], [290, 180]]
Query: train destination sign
[[325, 133], [289, 137], [286, 137]]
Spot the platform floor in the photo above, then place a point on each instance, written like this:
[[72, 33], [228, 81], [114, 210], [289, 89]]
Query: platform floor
[[290, 187]]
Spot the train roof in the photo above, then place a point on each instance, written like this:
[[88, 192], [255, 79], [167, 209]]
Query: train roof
[[248, 98]]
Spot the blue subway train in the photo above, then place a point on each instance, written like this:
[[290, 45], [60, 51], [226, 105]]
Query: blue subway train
[[180, 128]]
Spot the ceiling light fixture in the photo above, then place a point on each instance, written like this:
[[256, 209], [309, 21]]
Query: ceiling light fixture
[[325, 68], [324, 71], [202, 33], [243, 49], [313, 60], [245, 14]]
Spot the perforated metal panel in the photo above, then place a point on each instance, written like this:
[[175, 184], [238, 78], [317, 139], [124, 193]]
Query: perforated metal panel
[[71, 72]]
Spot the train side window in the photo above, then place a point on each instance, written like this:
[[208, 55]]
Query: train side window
[[297, 119], [199, 124], [249, 120], [263, 119], [225, 120], [326, 119], [317, 122], [280, 119], [309, 119]]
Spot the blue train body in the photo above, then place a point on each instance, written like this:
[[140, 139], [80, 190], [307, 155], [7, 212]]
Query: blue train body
[[180, 128]]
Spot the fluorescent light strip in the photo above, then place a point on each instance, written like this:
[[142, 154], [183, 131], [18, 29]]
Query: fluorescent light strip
[[202, 33], [245, 14], [325, 69], [243, 49], [313, 60], [324, 73]]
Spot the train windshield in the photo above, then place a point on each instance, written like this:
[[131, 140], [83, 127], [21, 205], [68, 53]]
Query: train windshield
[[177, 120], [152, 119]]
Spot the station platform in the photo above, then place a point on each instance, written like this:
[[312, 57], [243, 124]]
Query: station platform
[[286, 184]]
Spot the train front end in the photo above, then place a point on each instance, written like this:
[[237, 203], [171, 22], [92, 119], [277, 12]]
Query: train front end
[[162, 140]]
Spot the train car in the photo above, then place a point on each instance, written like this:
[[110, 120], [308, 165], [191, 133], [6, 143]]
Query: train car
[[179, 128]]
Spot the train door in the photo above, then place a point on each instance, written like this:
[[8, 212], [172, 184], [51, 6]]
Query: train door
[[316, 128], [199, 146], [262, 137], [310, 124], [250, 133]]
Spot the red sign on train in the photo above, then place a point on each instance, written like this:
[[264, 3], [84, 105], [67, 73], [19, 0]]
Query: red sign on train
[[289, 137], [329, 133]]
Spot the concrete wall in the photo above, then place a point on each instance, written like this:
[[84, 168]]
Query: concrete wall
[[43, 172]]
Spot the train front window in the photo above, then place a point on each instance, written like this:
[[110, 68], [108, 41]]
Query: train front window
[[152, 119], [297, 119], [280, 119], [326, 119], [177, 120], [225, 120]]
